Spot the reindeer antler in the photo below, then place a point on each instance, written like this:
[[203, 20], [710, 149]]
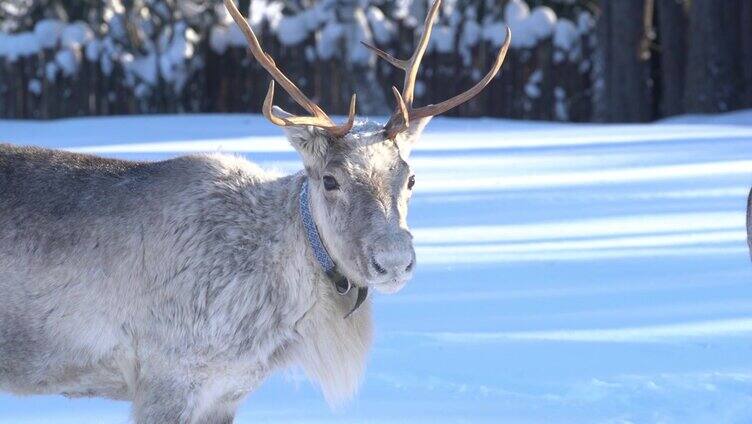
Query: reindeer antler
[[404, 111], [319, 118]]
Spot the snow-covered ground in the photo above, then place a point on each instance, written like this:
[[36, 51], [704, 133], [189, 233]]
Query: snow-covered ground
[[566, 273]]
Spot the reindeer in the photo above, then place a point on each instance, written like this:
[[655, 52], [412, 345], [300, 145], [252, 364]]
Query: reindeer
[[181, 285], [749, 223]]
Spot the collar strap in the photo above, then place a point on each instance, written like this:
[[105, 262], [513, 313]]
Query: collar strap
[[341, 283]]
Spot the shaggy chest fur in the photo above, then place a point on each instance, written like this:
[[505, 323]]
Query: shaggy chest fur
[[189, 278]]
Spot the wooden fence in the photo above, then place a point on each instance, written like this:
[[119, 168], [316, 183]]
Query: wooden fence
[[540, 82]]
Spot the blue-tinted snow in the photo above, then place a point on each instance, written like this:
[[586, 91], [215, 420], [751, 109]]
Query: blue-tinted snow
[[567, 273]]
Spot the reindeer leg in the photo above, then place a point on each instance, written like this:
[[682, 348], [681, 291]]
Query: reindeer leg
[[163, 400]]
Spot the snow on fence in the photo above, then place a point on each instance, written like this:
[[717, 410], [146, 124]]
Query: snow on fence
[[69, 69]]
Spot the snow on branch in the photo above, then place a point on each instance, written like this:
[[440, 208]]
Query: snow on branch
[[155, 52]]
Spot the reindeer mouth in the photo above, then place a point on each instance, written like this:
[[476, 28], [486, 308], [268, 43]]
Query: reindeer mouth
[[391, 286]]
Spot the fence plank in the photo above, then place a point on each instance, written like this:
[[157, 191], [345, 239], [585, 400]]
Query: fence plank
[[233, 82]]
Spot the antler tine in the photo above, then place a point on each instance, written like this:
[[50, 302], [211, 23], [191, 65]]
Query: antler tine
[[319, 118], [400, 119], [432, 110], [404, 112], [334, 130], [269, 105], [411, 66], [397, 63], [411, 71], [268, 63]]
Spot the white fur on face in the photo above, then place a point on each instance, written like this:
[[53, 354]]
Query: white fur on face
[[364, 222]]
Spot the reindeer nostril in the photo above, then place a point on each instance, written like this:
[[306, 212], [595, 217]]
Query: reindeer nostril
[[377, 267], [409, 267]]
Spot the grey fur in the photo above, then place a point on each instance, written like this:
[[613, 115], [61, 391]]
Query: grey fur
[[749, 223], [181, 285]]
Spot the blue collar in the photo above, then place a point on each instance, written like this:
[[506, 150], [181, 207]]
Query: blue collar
[[341, 283]]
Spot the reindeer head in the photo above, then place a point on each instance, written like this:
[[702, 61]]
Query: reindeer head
[[359, 176]]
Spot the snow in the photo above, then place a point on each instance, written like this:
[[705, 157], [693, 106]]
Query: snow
[[92, 50], [383, 29], [495, 33], [471, 33], [106, 63], [168, 54], [48, 31], [359, 32], [235, 37], [565, 34], [50, 71], [542, 22], [442, 39], [47, 34], [561, 108], [218, 39], [226, 34], [585, 22], [532, 87], [528, 28], [176, 51], [516, 11], [265, 10], [75, 35], [35, 86], [15, 46], [293, 29], [566, 273], [469, 38], [67, 61], [326, 40], [144, 67], [335, 39]]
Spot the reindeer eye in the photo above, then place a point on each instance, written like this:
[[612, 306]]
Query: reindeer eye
[[411, 182], [330, 183]]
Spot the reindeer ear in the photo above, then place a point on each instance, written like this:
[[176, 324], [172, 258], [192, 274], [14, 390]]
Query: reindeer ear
[[407, 138], [311, 142]]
